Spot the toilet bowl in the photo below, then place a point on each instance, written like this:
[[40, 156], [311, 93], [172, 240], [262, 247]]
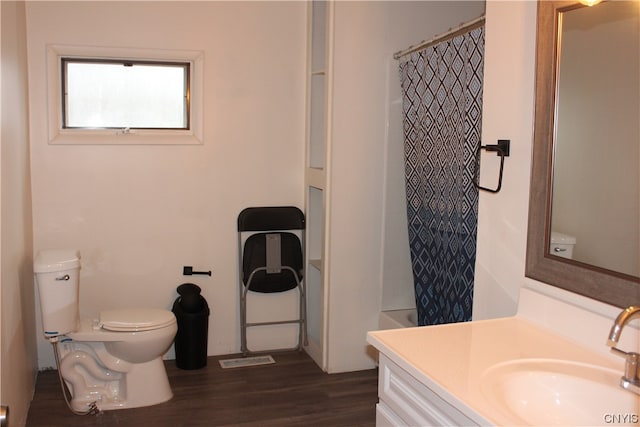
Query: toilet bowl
[[114, 360], [132, 335]]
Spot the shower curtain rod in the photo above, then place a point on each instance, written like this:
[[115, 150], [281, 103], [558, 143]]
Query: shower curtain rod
[[461, 29]]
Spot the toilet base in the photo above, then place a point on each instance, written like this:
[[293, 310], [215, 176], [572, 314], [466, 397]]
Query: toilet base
[[146, 384], [143, 384], [116, 370]]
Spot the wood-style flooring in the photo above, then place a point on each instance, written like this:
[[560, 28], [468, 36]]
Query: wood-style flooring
[[291, 392]]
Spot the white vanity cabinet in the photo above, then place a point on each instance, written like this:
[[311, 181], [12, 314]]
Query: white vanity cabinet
[[499, 371], [405, 401]]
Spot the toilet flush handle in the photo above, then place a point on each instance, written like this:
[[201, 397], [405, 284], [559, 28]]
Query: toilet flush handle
[[65, 277]]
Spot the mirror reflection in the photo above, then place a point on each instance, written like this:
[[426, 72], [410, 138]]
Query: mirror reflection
[[595, 212]]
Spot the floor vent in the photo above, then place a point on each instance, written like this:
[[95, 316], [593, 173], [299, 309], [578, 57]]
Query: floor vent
[[241, 362]]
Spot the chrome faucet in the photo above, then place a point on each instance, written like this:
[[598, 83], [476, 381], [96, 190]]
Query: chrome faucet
[[631, 378]]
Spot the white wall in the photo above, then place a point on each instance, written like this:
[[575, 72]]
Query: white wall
[[508, 109], [139, 213], [18, 346]]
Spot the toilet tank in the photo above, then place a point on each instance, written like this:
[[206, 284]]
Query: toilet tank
[[57, 273], [562, 244]]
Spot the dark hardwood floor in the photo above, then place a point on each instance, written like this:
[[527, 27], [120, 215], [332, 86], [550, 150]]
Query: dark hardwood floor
[[291, 392]]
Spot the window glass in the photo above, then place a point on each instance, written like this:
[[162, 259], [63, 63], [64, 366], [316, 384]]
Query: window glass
[[123, 94]]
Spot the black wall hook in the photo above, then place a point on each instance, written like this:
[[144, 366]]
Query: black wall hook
[[502, 150]]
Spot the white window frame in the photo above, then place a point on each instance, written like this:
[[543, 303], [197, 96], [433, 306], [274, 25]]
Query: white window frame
[[60, 135]]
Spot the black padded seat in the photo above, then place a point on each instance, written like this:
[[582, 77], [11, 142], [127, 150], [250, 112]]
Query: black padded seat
[[255, 257]]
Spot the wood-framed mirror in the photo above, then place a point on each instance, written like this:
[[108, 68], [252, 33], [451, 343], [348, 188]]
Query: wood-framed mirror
[[608, 280]]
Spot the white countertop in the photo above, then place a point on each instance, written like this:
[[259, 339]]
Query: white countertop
[[451, 359]]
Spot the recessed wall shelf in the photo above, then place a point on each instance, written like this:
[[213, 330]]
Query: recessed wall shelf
[[317, 263], [317, 149]]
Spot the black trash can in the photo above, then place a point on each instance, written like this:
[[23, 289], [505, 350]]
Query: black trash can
[[192, 313]]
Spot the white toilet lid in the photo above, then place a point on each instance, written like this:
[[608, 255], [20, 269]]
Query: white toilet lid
[[135, 319]]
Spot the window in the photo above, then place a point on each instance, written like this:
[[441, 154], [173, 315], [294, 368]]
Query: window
[[124, 94]]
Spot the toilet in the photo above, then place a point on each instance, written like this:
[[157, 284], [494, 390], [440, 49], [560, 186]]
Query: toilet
[[115, 360], [562, 244]]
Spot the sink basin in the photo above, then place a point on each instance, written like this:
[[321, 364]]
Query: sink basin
[[559, 392]]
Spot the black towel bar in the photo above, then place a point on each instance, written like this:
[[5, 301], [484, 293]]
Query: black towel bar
[[502, 150]]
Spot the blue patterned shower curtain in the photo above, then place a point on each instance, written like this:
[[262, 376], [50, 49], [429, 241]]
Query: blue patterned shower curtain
[[442, 105]]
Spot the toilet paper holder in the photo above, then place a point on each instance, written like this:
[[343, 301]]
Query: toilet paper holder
[[187, 270]]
